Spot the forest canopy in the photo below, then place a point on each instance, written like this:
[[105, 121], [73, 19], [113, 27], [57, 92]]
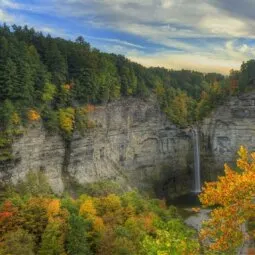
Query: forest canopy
[[34, 221], [51, 80]]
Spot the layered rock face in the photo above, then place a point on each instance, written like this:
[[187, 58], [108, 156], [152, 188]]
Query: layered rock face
[[229, 127], [36, 151], [132, 143]]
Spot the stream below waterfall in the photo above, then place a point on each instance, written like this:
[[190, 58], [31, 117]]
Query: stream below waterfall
[[184, 204]]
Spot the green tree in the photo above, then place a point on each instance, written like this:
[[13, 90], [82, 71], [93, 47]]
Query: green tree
[[247, 75], [85, 89], [56, 63], [172, 237], [77, 243], [178, 109], [49, 91], [51, 240], [18, 242]]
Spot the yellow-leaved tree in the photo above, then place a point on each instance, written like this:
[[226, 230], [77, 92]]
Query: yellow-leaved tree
[[66, 120], [233, 199], [53, 208], [87, 208]]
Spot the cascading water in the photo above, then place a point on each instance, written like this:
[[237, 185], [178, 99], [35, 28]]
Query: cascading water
[[197, 178]]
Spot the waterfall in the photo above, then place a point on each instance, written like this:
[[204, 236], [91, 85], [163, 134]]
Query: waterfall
[[197, 178]]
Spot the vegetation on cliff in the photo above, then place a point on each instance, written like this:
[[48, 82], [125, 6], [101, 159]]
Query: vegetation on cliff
[[33, 221], [44, 74], [51, 80]]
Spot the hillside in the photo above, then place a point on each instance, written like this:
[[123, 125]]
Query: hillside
[[52, 79]]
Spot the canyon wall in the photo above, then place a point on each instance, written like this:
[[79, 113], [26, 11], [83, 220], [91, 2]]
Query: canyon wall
[[133, 143], [229, 126]]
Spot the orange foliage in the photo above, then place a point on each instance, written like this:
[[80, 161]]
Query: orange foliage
[[53, 208], [98, 224], [5, 215], [148, 221], [33, 115], [195, 209], [7, 218], [7, 211], [251, 251], [233, 194]]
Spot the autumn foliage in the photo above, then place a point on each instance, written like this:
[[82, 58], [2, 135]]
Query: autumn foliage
[[102, 225], [15, 118], [233, 198], [66, 120], [33, 115]]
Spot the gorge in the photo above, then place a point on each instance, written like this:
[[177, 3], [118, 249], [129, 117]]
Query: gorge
[[135, 144]]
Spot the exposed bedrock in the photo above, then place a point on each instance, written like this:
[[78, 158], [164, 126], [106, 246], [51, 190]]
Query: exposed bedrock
[[229, 127], [134, 143]]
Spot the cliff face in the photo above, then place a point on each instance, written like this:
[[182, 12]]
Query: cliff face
[[230, 126], [36, 151], [133, 143]]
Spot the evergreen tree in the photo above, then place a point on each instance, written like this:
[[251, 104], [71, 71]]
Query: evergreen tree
[[29, 60], [77, 243], [56, 63], [3, 60]]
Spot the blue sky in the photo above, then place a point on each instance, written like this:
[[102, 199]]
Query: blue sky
[[204, 35]]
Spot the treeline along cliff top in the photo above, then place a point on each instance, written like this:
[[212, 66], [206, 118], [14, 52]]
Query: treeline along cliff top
[[58, 81]]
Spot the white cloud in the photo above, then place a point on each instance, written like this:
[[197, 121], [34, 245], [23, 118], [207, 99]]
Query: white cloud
[[219, 58], [166, 3], [49, 30], [224, 26], [244, 48], [112, 40], [5, 17], [176, 24], [8, 4], [202, 63]]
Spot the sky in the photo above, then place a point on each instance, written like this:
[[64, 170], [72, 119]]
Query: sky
[[203, 35]]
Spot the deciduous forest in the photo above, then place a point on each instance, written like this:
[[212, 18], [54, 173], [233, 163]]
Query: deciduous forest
[[34, 221], [58, 82]]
